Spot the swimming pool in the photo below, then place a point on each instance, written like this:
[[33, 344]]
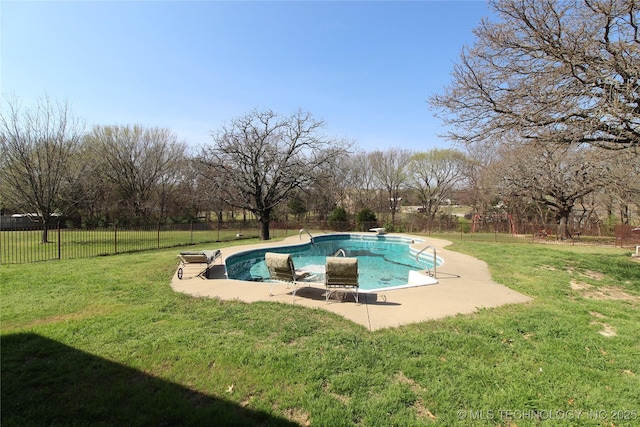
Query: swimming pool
[[384, 262]]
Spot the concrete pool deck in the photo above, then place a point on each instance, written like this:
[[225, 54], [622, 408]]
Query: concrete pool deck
[[465, 286]]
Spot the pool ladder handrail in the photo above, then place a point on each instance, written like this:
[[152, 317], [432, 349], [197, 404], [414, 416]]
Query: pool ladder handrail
[[340, 251], [434, 259], [305, 230]]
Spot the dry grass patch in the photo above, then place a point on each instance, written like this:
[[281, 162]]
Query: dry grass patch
[[298, 416], [610, 293], [579, 286], [607, 330], [595, 275], [339, 397], [421, 410]]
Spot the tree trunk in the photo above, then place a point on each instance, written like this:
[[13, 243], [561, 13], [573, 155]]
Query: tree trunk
[[264, 225], [624, 214], [45, 233], [563, 230]]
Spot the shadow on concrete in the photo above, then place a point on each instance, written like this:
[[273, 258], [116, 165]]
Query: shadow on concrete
[[346, 297], [217, 272], [45, 382]]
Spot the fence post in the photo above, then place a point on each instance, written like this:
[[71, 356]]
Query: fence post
[[158, 234], [59, 246], [115, 238], [191, 234]]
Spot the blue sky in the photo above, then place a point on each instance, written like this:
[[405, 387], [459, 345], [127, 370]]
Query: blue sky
[[366, 68]]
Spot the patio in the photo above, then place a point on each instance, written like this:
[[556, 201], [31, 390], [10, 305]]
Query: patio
[[465, 286]]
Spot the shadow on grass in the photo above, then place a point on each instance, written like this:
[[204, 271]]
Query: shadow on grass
[[45, 382]]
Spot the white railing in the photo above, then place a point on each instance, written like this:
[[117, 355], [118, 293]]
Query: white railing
[[435, 259], [304, 230], [340, 251]]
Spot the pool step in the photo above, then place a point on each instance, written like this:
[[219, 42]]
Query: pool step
[[421, 278]]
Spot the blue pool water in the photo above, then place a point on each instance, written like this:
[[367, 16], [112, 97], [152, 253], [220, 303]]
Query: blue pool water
[[384, 261]]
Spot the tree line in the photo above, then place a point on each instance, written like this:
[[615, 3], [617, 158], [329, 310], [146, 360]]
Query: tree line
[[545, 108], [273, 166]]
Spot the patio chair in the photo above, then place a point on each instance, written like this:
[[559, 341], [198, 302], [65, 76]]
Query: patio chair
[[341, 273], [198, 257], [281, 269]]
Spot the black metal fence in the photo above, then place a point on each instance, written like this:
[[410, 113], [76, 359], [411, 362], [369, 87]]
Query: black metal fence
[[30, 244], [26, 244]]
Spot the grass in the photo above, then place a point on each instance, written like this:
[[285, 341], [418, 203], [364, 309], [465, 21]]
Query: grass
[[506, 237], [106, 341]]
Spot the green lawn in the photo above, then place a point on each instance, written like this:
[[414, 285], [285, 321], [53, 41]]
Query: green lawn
[[105, 341]]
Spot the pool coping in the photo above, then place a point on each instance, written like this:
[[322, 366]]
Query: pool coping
[[464, 286]]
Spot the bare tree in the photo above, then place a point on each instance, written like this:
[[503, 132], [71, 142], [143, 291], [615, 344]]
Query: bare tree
[[434, 175], [390, 170], [551, 71], [479, 190], [556, 177], [259, 159], [330, 188], [198, 196], [624, 188], [142, 164], [38, 145], [362, 182]]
